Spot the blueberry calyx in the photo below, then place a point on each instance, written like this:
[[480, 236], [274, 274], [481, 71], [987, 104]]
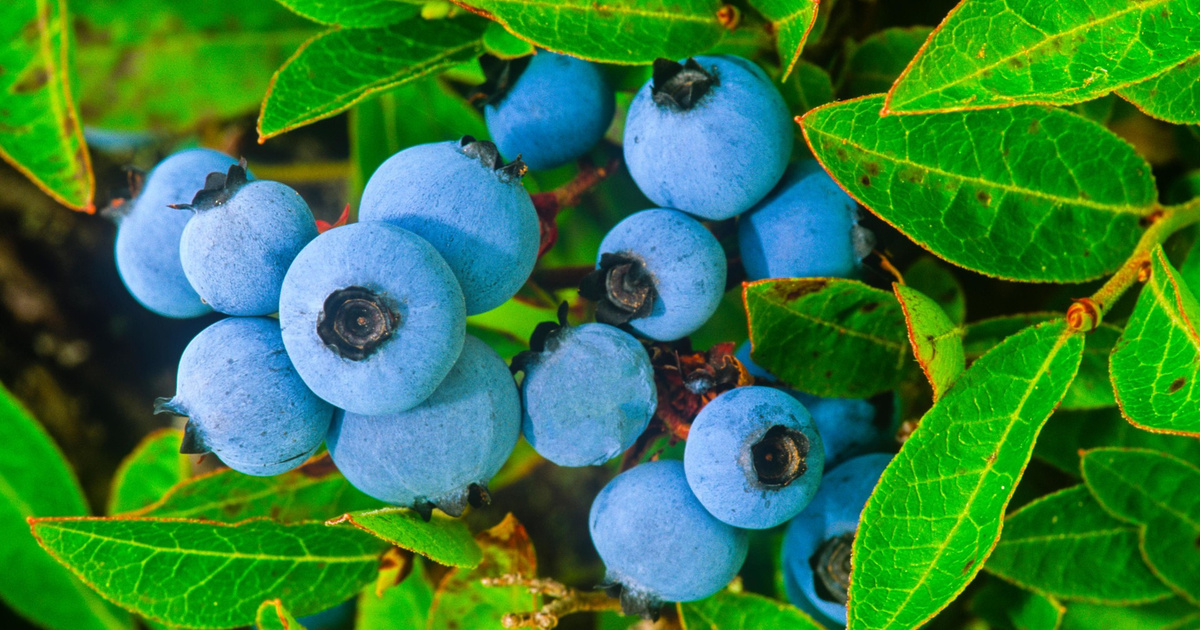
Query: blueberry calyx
[[356, 321], [831, 568], [780, 456], [680, 86], [622, 288], [218, 188], [488, 155], [633, 602], [543, 335], [499, 75], [476, 495]]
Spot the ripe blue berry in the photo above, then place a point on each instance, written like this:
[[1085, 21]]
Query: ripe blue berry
[[816, 546], [658, 543], [754, 458], [469, 205], [244, 400], [237, 248], [442, 452], [372, 317], [149, 229], [557, 109], [588, 393], [848, 426], [710, 136], [659, 271], [806, 228]]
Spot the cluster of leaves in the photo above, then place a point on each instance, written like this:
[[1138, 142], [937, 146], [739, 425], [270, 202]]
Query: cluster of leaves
[[983, 141]]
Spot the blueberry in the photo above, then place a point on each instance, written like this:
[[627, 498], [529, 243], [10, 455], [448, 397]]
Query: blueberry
[[372, 317], [753, 457], [557, 109], [244, 400], [442, 452], [661, 272], [237, 247], [658, 543], [148, 233], [847, 426], [710, 136], [588, 393], [472, 208], [816, 546], [806, 228]]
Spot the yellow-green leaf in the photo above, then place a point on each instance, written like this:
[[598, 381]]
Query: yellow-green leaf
[[443, 539], [200, 574], [152, 469], [40, 132], [1173, 96], [273, 616], [936, 341], [1156, 364], [792, 20], [935, 515], [743, 611]]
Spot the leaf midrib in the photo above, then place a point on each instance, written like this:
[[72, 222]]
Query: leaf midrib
[[1008, 188], [898, 347], [229, 556], [590, 10]]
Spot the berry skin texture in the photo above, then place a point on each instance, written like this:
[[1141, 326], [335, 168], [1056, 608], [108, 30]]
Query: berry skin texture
[[372, 317], [753, 457], [557, 110], [244, 400], [847, 426], [684, 263], [238, 246], [147, 248], [806, 228], [658, 543], [714, 156], [473, 209], [588, 395], [442, 452], [821, 536]]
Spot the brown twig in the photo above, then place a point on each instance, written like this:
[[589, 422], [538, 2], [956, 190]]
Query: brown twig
[[566, 601]]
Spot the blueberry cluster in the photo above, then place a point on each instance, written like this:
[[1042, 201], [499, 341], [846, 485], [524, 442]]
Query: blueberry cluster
[[371, 356]]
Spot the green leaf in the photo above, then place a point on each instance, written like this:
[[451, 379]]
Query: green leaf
[[936, 341], [743, 611], [791, 20], [618, 31], [1173, 96], [341, 67], [998, 53], [875, 63], [315, 490], [443, 539], [1091, 389], [418, 112], [1007, 607], [153, 468], [35, 480], [195, 573], [932, 278], [1069, 432], [1156, 363], [171, 65], [1157, 492], [1065, 545], [273, 616], [503, 44], [354, 13], [40, 133], [1164, 615], [1025, 193], [851, 336], [808, 87], [932, 520], [462, 602], [403, 606]]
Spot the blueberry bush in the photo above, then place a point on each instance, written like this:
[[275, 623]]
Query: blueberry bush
[[670, 314]]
